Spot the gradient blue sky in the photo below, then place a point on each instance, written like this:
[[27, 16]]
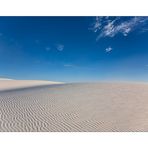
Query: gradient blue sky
[[74, 48]]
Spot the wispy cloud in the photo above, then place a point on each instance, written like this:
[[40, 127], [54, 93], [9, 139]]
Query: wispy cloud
[[109, 49], [68, 65], [111, 26], [144, 30], [47, 48], [82, 67], [60, 47]]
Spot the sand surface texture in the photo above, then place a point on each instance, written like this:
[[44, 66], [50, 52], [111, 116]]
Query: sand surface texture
[[89, 107]]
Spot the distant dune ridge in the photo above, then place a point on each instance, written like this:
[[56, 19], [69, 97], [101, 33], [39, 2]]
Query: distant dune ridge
[[4, 79], [17, 84], [84, 107]]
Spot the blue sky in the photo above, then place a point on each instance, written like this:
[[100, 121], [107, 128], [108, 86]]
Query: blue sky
[[74, 48]]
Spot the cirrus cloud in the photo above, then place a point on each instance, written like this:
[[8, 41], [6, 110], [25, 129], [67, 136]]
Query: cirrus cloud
[[60, 47], [109, 49], [68, 65], [47, 49], [111, 26]]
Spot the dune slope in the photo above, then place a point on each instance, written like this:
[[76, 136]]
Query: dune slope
[[90, 107], [17, 84]]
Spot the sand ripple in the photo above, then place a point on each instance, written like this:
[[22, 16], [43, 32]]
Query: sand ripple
[[75, 107]]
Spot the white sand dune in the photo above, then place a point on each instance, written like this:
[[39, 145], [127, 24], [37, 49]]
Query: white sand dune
[[8, 84], [4, 79], [84, 107]]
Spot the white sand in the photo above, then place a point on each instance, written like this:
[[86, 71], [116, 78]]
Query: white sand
[[76, 107], [8, 84]]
